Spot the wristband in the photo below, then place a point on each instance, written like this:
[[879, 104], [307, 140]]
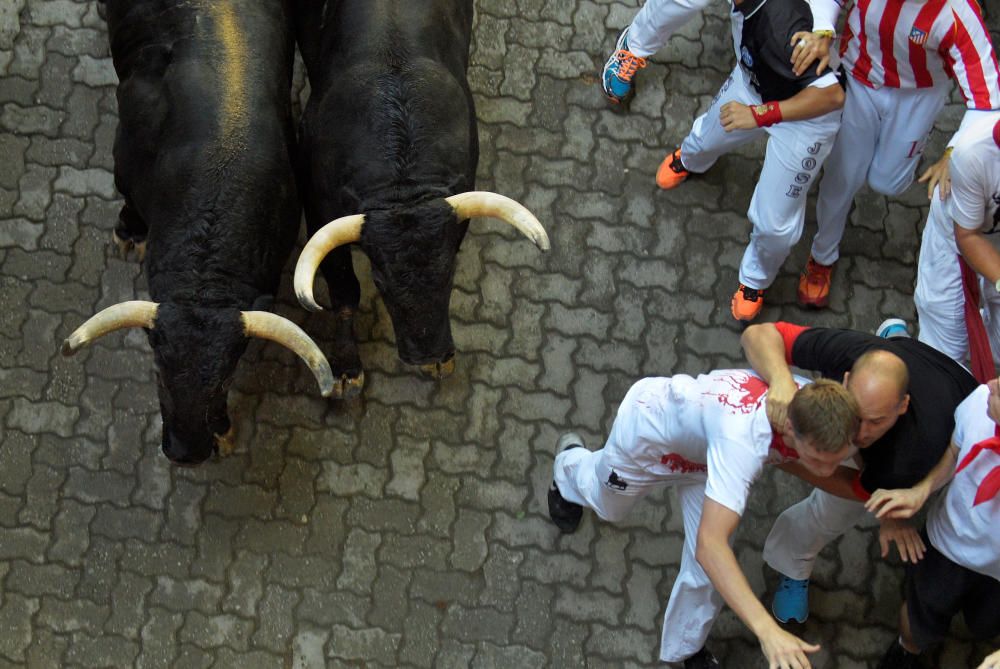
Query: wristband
[[766, 114], [829, 34]]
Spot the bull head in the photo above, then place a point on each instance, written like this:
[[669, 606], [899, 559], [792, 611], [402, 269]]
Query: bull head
[[413, 265], [196, 351]]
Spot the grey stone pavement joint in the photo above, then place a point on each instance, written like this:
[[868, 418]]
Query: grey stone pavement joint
[[408, 528]]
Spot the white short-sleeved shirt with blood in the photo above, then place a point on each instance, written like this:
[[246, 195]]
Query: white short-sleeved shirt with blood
[[968, 534], [714, 425], [975, 175]]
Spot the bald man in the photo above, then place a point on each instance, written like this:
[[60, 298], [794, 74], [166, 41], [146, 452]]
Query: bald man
[[907, 393]]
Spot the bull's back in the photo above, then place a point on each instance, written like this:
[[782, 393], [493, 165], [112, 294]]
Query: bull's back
[[391, 77], [205, 132]]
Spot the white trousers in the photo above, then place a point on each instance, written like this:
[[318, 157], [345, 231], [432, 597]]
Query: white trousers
[[803, 529], [657, 21], [795, 151], [582, 477], [939, 297], [881, 138]]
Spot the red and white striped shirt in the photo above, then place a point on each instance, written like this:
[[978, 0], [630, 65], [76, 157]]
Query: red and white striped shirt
[[930, 40]]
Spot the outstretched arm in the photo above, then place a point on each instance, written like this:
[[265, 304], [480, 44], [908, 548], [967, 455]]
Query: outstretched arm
[[716, 557], [765, 350]]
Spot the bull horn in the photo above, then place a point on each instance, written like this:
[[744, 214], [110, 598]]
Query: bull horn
[[265, 325], [340, 231], [494, 205], [131, 314]]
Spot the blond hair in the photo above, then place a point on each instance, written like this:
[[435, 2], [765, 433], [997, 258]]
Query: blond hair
[[825, 414]]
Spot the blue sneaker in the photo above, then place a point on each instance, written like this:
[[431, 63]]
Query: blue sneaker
[[616, 78], [892, 328], [791, 601]]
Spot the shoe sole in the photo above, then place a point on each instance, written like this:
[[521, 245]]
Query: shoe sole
[[674, 180]]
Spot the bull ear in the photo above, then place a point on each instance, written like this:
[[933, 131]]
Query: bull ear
[[494, 205], [344, 230], [265, 325], [132, 314]]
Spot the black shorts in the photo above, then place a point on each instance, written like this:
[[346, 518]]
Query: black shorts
[[937, 589]]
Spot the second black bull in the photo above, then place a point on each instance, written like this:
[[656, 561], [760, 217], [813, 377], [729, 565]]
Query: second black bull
[[389, 149]]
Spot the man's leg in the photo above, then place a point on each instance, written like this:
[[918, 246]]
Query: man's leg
[[800, 533], [845, 170], [694, 603], [907, 118], [657, 21], [707, 141], [938, 296], [795, 152]]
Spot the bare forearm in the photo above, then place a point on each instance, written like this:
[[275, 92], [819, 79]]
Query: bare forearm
[[942, 472], [840, 484], [765, 350], [981, 255], [811, 102], [716, 557]]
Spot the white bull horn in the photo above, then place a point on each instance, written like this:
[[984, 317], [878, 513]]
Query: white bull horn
[[340, 231], [494, 205], [265, 325], [131, 314]]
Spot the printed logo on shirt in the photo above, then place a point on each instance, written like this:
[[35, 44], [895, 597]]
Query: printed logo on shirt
[[678, 463], [616, 482], [746, 57], [996, 214], [918, 36]]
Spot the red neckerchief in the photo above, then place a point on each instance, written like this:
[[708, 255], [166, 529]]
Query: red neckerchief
[[778, 444], [990, 484]]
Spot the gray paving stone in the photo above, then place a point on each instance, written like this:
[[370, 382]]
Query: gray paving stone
[[356, 644]]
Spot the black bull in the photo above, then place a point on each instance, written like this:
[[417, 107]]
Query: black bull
[[387, 138], [203, 158]]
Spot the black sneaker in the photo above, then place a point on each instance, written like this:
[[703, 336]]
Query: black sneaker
[[703, 659], [566, 515], [898, 657]]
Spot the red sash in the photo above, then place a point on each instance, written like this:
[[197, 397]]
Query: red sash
[[990, 484], [980, 355]]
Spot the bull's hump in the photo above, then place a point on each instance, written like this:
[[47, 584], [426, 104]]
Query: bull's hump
[[233, 61]]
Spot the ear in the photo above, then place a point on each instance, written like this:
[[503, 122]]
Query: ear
[[904, 405], [847, 375]]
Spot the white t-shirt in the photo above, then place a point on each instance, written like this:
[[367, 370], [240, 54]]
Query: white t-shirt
[[975, 176], [714, 426], [967, 535]]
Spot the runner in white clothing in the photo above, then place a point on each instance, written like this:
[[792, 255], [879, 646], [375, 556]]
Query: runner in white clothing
[[961, 569], [963, 230], [898, 55], [709, 438]]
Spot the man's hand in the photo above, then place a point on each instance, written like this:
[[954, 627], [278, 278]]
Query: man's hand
[[808, 48], [779, 394], [736, 116], [938, 175], [908, 542], [897, 504], [992, 661], [786, 651]]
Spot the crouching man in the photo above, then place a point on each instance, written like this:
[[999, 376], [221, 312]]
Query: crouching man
[[709, 437]]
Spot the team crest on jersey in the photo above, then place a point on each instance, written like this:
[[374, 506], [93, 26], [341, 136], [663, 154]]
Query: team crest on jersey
[[746, 57], [918, 36]]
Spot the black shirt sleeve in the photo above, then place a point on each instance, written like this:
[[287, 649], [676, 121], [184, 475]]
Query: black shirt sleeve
[[830, 351]]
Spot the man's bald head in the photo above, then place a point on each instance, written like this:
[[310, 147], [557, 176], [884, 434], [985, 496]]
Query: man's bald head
[[879, 381], [881, 367]]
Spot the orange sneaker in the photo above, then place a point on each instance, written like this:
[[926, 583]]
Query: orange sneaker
[[814, 285], [747, 303], [671, 171]]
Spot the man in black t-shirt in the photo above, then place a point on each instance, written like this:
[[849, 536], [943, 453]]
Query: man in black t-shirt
[[800, 116], [907, 393]]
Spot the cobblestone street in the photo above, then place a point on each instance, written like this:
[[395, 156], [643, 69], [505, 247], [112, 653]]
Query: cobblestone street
[[408, 528]]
